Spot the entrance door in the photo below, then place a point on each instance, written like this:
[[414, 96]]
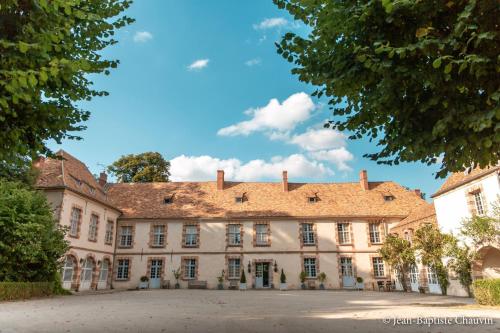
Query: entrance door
[[347, 275], [262, 275], [434, 287], [103, 275], [86, 277], [155, 273], [68, 272], [414, 278]]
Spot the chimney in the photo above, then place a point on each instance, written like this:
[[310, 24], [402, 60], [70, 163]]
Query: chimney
[[220, 179], [103, 178], [363, 180], [285, 181], [417, 192]]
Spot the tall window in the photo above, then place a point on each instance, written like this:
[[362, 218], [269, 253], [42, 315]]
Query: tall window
[[68, 269], [122, 269], [374, 233], [234, 234], [126, 236], [408, 235], [431, 275], [233, 271], [261, 234], [76, 214], [158, 235], [189, 268], [310, 267], [378, 267], [478, 198], [94, 219], [108, 237], [191, 235], [308, 234], [344, 235]]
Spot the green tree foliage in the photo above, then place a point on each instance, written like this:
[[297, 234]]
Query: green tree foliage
[[460, 261], [141, 168], [48, 49], [431, 246], [399, 254], [480, 230], [31, 242], [421, 74]]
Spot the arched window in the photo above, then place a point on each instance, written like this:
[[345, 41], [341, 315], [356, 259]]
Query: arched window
[[68, 272], [103, 274], [86, 275]]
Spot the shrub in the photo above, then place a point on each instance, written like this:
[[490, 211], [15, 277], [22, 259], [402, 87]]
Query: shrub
[[282, 277], [487, 291], [144, 278], [23, 290], [322, 277], [302, 276], [243, 278]]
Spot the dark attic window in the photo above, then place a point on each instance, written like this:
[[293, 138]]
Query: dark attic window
[[238, 199], [312, 199], [388, 197], [168, 200]]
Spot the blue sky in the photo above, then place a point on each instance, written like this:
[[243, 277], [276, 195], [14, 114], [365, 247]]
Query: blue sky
[[201, 83]]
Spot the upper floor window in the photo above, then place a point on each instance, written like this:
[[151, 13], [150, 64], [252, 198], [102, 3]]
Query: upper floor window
[[344, 234], [308, 234], [310, 267], [108, 237], [76, 215], [190, 268], [374, 233], [261, 234], [408, 235], [126, 236], [94, 220], [234, 231], [158, 235], [378, 267], [191, 235], [478, 199], [233, 270], [122, 271]]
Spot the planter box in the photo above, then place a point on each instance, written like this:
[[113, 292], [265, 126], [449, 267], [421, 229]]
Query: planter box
[[283, 286], [243, 286], [143, 285]]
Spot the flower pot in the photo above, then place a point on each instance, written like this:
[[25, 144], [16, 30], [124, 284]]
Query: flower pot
[[144, 285], [360, 285], [177, 285], [220, 286], [302, 285], [283, 286], [243, 286], [321, 286]]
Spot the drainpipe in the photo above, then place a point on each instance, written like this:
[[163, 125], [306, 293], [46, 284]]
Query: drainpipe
[[114, 254]]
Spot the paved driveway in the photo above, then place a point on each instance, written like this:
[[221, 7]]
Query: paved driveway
[[248, 311]]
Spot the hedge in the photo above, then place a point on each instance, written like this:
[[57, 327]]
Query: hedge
[[487, 291], [23, 290]]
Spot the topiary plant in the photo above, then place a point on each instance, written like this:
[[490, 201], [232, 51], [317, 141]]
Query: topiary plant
[[282, 277], [243, 278]]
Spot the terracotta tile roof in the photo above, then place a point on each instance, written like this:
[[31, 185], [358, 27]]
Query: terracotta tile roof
[[71, 173], [422, 214], [203, 200], [457, 179]]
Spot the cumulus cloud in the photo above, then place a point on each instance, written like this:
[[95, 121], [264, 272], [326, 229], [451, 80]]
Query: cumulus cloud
[[142, 36], [198, 64], [202, 168], [253, 62], [339, 157], [270, 23], [319, 139], [274, 117]]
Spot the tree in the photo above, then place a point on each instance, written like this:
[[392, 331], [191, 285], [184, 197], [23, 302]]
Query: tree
[[431, 245], [460, 261], [399, 254], [32, 243], [480, 230], [48, 50], [141, 168], [421, 74]]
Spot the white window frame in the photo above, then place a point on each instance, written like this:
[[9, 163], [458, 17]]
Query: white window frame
[[126, 236], [234, 234], [104, 269], [234, 268], [190, 269], [413, 274], [158, 235], [344, 233], [308, 234], [68, 269], [431, 275], [478, 199], [374, 233], [261, 234], [310, 267], [108, 237], [94, 220], [191, 235], [75, 221], [122, 270], [378, 267]]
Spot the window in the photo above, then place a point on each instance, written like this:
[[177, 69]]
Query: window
[[189, 268], [378, 267], [431, 275], [233, 271], [312, 199], [388, 197], [261, 236], [103, 272], [126, 236], [92, 190], [344, 235], [374, 233], [158, 235], [234, 234], [94, 219], [168, 200], [479, 203], [414, 274], [310, 267], [76, 214], [108, 237], [68, 269], [308, 234], [191, 235], [238, 199], [122, 269], [408, 235]]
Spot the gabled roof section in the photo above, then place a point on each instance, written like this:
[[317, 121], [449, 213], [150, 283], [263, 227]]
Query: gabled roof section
[[458, 179], [421, 214]]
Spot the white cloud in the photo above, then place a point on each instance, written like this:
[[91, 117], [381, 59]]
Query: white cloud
[[319, 139], [270, 23], [198, 64], [200, 168], [253, 62], [339, 157], [274, 117], [142, 36]]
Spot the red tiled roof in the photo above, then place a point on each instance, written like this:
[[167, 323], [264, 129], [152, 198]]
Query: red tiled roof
[[457, 179], [422, 214]]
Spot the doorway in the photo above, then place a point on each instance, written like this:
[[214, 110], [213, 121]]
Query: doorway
[[414, 278], [262, 275], [155, 273], [347, 273]]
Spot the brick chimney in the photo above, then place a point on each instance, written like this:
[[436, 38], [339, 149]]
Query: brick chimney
[[285, 181], [220, 179], [103, 178], [417, 192], [363, 180]]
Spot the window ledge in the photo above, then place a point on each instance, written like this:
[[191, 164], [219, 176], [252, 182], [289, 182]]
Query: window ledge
[[125, 246], [262, 245], [346, 244]]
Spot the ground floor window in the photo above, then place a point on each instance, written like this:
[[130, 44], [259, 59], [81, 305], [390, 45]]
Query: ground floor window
[[432, 276], [414, 274], [189, 268], [103, 273], [122, 271], [233, 270], [68, 269], [378, 267], [310, 267]]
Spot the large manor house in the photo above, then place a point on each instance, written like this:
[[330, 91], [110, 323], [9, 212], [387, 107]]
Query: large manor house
[[119, 233]]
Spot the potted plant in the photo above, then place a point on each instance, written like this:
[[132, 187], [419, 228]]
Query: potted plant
[[321, 278], [359, 283], [243, 280], [283, 280], [302, 278], [177, 275], [144, 282], [220, 279]]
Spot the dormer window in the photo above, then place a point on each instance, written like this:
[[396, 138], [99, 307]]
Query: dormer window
[[240, 198], [388, 197], [312, 199], [168, 200], [92, 190]]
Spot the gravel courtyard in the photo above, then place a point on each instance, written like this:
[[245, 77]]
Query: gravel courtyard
[[249, 311]]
